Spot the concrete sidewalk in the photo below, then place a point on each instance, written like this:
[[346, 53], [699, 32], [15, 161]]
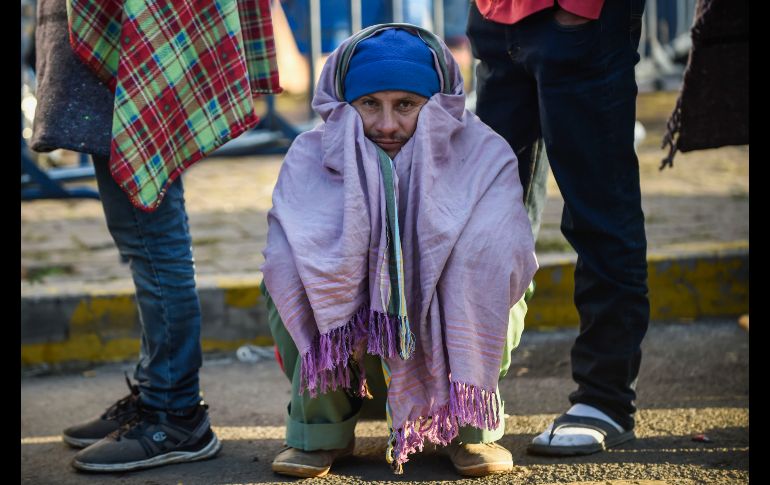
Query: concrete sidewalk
[[693, 380]]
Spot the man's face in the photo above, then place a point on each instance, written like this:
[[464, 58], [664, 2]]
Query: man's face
[[390, 117]]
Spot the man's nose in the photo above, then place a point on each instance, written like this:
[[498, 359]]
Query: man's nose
[[386, 123]]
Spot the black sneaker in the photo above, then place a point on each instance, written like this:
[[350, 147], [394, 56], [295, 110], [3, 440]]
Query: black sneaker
[[117, 415], [152, 439]]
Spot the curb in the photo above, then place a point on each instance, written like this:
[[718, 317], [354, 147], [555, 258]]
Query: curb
[[698, 281], [82, 324]]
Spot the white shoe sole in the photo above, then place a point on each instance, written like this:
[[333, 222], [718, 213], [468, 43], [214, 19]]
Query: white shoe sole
[[77, 442], [301, 471]]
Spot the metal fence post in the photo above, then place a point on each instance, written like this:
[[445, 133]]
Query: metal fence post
[[314, 40], [355, 16]]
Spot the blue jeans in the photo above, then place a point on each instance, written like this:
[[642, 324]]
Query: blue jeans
[[573, 90], [158, 247]]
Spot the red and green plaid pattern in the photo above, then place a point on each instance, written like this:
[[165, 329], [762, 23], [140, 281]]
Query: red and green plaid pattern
[[184, 75]]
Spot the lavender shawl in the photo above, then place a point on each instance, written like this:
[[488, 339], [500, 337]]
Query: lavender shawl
[[467, 256]]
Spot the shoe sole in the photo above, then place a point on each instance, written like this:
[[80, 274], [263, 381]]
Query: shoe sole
[[484, 469], [300, 471], [209, 451], [77, 442], [609, 442], [308, 471]]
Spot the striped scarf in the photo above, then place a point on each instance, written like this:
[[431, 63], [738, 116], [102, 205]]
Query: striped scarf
[[184, 74]]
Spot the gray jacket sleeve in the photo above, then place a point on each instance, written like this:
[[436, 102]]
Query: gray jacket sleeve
[[74, 108]]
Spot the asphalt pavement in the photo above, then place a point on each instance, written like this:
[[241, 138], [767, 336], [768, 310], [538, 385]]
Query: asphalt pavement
[[694, 380]]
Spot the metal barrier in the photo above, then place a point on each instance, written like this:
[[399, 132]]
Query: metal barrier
[[38, 182], [665, 44], [663, 47]]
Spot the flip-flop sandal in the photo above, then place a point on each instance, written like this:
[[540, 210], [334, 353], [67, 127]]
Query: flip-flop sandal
[[612, 437]]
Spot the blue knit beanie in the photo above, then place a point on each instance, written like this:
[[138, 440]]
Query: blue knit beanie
[[391, 59]]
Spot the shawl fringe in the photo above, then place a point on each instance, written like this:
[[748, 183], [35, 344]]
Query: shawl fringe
[[468, 405], [325, 365], [673, 128]]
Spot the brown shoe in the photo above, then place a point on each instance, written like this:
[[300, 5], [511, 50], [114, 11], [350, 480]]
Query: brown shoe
[[308, 464], [480, 459]]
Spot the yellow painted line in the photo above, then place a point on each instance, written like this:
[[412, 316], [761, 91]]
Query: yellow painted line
[[87, 348], [105, 328], [119, 310], [551, 306], [698, 288], [244, 297], [235, 433], [680, 289], [210, 345], [40, 440], [91, 348]]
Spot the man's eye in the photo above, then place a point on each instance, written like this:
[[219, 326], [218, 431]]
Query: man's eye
[[405, 105]]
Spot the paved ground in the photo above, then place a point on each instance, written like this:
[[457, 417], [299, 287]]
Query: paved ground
[[694, 379]]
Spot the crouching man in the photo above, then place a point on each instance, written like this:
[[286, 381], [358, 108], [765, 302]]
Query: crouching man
[[398, 255]]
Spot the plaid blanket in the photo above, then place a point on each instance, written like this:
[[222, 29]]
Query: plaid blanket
[[417, 259], [184, 74]]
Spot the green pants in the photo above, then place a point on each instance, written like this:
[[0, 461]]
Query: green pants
[[328, 421]]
